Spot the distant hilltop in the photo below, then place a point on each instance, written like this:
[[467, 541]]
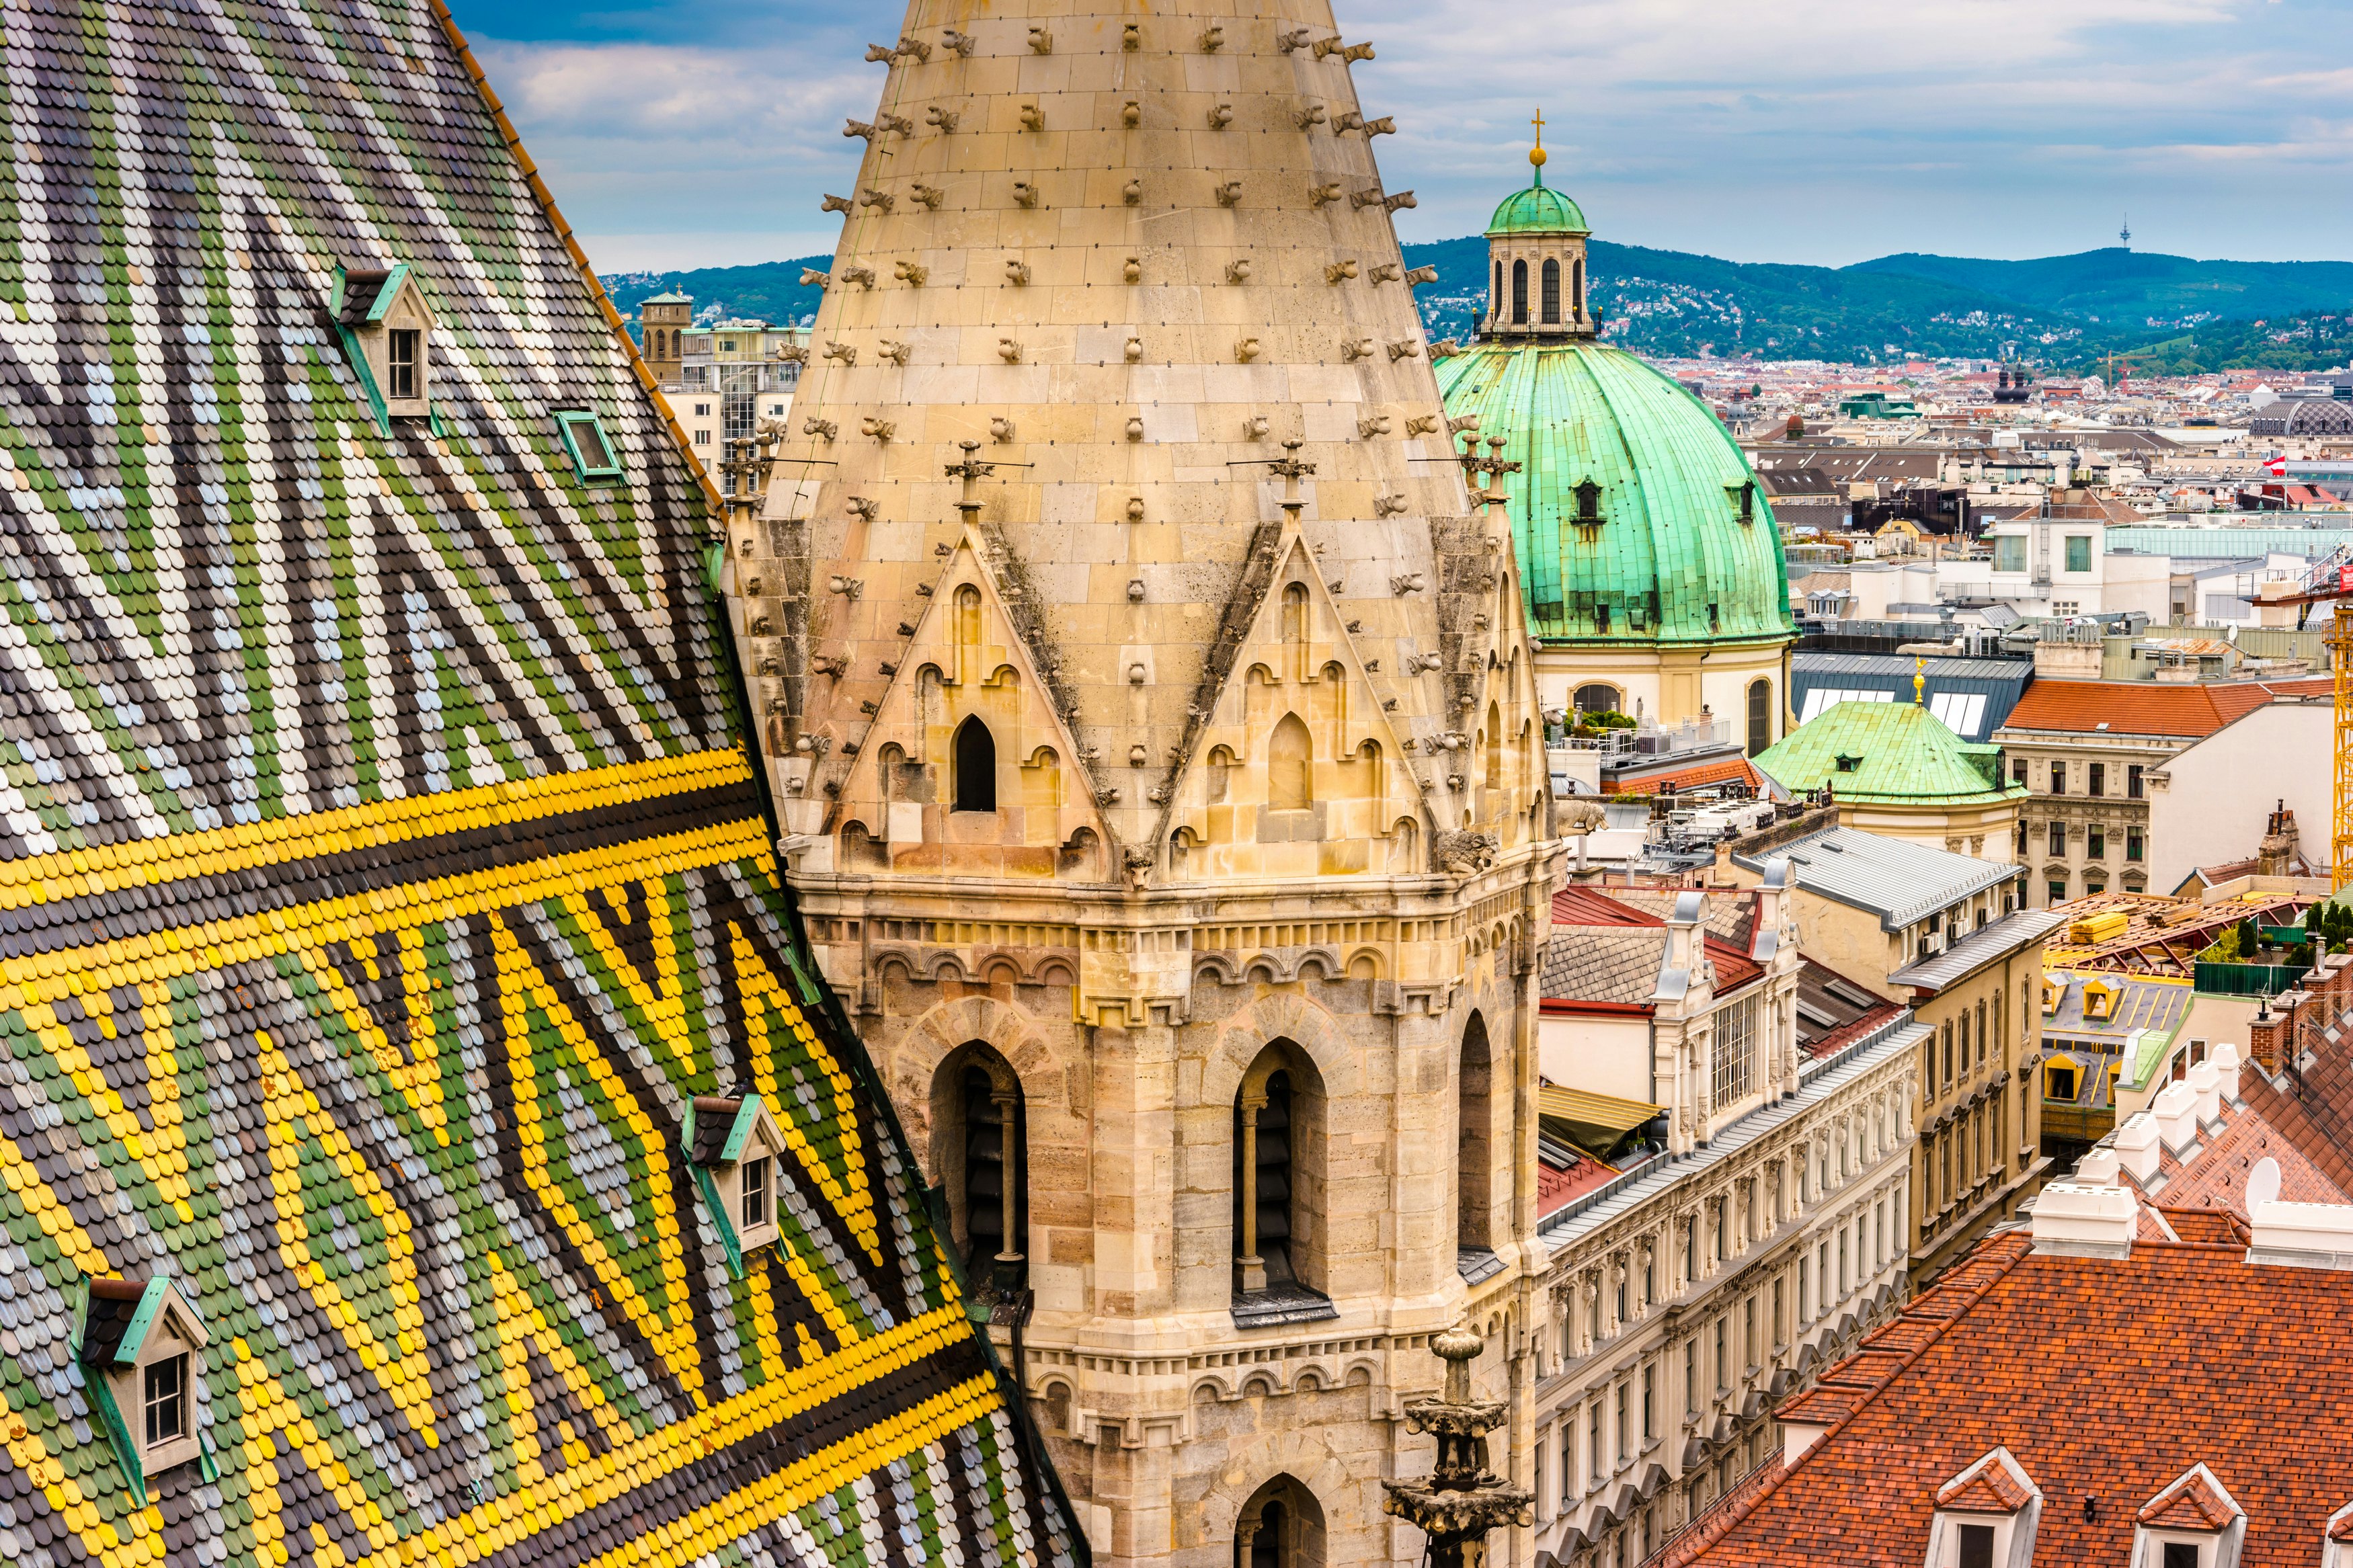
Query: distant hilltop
[[2180, 315]]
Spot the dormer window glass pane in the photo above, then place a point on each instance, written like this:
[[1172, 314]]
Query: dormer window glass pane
[[2180, 1554], [754, 1205], [401, 366], [165, 1398], [1977, 1547]]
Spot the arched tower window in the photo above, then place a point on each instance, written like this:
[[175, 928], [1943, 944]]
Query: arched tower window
[[1576, 287], [1495, 295], [1278, 1194], [1760, 715], [1494, 746], [1290, 759], [1597, 699], [976, 766], [1551, 292], [1519, 293], [967, 626], [1282, 1526], [980, 1152], [1474, 1154]]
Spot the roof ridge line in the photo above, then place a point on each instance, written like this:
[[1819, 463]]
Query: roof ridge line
[[555, 215]]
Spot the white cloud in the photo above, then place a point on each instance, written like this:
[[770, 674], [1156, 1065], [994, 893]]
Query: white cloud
[[1812, 129]]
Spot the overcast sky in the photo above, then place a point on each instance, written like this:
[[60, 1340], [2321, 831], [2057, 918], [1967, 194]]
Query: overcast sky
[[679, 133]]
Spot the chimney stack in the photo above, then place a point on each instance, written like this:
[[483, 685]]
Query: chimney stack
[[2176, 1109], [2226, 1071], [2075, 1220], [2206, 1085], [2302, 1235], [2135, 1149]]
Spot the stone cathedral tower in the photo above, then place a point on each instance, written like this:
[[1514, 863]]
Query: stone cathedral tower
[[1152, 722]]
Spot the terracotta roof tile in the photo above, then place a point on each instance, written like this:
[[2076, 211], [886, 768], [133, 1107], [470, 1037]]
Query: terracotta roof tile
[[2140, 708], [2190, 1503], [2140, 1367], [1992, 1490], [1700, 775]]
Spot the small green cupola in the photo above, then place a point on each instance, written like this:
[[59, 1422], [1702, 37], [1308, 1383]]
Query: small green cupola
[[1536, 259]]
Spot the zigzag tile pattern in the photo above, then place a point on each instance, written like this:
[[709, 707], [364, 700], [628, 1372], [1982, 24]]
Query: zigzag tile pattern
[[381, 877]]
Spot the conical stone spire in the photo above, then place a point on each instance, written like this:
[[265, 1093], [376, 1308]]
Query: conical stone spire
[[1099, 271]]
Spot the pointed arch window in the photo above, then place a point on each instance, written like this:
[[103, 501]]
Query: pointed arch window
[[1474, 1144], [1290, 759], [1519, 293], [1494, 746], [1278, 1191], [976, 766], [1551, 292]]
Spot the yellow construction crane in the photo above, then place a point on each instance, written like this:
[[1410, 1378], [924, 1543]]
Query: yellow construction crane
[[2330, 582]]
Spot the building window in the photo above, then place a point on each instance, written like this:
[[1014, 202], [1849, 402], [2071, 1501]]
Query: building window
[[2018, 772], [2096, 778], [2021, 838], [1596, 699], [1760, 716], [2134, 847], [2079, 552], [1519, 293], [2095, 842], [2058, 778], [400, 362], [1593, 1448], [1475, 1157], [1649, 1404], [164, 1399], [703, 410], [1947, 1036], [1735, 1053], [1552, 293], [1977, 1548], [754, 1194], [2058, 1083], [2058, 836], [1690, 1377], [1278, 1173], [2132, 781], [976, 767], [1577, 289], [703, 438], [1625, 1436], [1495, 295], [2057, 891]]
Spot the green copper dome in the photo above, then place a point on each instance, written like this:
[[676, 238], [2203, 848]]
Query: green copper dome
[[1539, 209], [1885, 751], [1666, 556]]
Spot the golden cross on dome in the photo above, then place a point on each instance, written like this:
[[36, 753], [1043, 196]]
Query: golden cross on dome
[[1537, 153], [1539, 124]]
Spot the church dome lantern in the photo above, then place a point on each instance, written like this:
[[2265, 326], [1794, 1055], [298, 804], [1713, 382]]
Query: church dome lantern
[[1535, 259]]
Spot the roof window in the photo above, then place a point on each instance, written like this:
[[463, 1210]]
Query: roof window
[[1986, 1517], [594, 457], [2193, 1523], [386, 329], [733, 1144], [141, 1346]]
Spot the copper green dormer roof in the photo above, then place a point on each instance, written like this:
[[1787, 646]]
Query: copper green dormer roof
[[1893, 751], [1666, 556], [1539, 209]]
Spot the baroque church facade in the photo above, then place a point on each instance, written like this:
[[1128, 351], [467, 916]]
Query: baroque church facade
[[1157, 742]]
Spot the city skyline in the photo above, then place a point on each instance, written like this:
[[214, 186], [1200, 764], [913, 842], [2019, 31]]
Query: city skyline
[[677, 134]]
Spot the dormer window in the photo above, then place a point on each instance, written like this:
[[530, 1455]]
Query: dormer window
[[2193, 1523], [733, 1142], [140, 1343], [1986, 1517], [387, 328], [1588, 502]]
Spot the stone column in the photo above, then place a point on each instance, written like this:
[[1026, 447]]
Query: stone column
[[1250, 1267]]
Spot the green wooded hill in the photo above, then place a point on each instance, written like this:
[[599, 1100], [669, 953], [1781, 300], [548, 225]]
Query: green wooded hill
[[2061, 311]]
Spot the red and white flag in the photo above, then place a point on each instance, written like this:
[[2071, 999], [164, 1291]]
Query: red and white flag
[[2276, 468]]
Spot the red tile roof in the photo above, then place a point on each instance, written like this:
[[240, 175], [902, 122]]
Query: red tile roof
[[2189, 1503], [2138, 707], [1992, 1490], [2105, 1378], [1555, 1188], [1580, 905], [1700, 775]]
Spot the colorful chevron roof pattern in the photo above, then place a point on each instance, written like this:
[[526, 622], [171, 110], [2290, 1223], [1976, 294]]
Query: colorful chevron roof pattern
[[381, 881]]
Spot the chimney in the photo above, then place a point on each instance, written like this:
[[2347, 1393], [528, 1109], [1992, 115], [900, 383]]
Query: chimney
[[2137, 1149], [2226, 1071], [2206, 1084], [1683, 949], [2302, 1235], [2096, 1169], [2072, 1220], [1773, 907], [2176, 1108]]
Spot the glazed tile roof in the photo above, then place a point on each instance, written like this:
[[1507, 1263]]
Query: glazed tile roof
[[381, 877], [2083, 1415]]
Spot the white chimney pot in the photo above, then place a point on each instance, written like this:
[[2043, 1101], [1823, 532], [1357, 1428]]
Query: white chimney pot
[[2137, 1148], [2226, 1062], [2302, 1235], [2176, 1108], [2082, 1221], [2207, 1085], [2096, 1169]]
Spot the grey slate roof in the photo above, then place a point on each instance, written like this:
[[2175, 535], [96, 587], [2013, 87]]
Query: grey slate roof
[[2001, 938], [1898, 881], [1601, 964]]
